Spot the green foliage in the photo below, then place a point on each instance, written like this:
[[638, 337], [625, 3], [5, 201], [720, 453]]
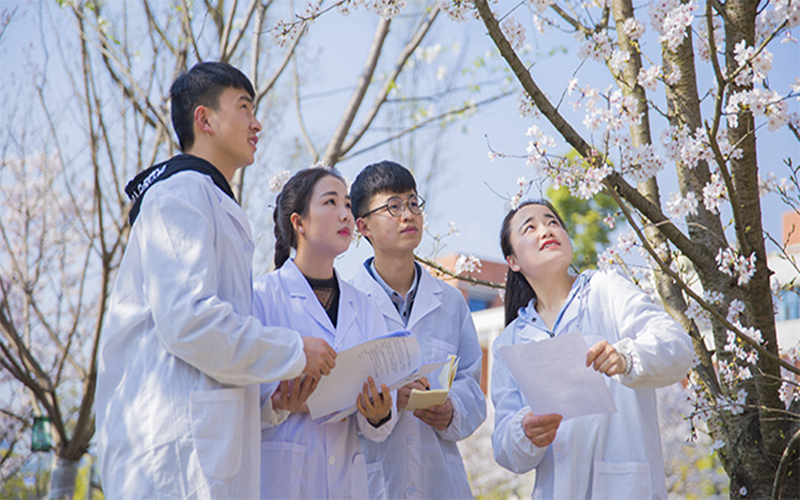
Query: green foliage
[[31, 482], [584, 220]]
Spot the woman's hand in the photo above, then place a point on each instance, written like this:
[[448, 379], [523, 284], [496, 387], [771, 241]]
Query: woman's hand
[[403, 393], [541, 429], [292, 394], [437, 416], [606, 359], [374, 405]]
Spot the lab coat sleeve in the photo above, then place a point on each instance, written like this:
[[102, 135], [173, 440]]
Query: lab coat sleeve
[[377, 434], [512, 449], [179, 254], [661, 351], [466, 396]]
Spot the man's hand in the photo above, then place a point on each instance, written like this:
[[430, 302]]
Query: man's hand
[[541, 429], [437, 416], [292, 394], [319, 357], [606, 359], [403, 393], [373, 404]]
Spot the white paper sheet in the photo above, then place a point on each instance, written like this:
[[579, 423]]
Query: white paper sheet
[[553, 376], [393, 359]]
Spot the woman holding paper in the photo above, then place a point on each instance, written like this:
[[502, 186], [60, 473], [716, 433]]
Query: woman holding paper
[[630, 340], [300, 459]]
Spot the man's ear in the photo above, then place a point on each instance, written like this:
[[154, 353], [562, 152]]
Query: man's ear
[[512, 263], [202, 118], [363, 228]]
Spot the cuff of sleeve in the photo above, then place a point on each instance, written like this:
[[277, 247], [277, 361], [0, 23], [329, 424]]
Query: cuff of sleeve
[[518, 434], [625, 349], [270, 417], [451, 432]]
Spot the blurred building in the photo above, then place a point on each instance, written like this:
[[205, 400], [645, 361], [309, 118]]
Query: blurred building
[[785, 266]]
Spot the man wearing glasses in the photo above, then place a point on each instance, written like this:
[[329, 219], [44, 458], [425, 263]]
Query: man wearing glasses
[[420, 458]]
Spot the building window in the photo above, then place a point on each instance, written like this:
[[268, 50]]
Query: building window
[[789, 307], [476, 304]]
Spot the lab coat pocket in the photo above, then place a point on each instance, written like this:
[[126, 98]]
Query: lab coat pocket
[[440, 349], [621, 480], [217, 430], [283, 469], [377, 481], [358, 477]]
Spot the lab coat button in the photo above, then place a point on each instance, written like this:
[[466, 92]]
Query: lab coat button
[[410, 439], [331, 460], [411, 490], [559, 458], [249, 247]]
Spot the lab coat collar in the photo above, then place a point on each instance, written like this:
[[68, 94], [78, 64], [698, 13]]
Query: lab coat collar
[[298, 287], [364, 281], [428, 297], [529, 317]]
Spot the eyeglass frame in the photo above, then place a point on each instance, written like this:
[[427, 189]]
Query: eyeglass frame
[[403, 204]]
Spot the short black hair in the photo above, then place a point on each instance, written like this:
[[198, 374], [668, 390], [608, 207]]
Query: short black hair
[[383, 177], [201, 86]]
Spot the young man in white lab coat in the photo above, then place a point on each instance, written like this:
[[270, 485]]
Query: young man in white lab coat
[[420, 458], [181, 356]]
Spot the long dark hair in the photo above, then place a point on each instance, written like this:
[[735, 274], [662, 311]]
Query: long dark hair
[[294, 198], [518, 291]]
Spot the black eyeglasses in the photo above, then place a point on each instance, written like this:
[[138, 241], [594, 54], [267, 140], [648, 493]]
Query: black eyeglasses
[[396, 206]]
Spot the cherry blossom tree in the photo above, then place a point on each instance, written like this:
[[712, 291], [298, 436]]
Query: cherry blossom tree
[[709, 233]]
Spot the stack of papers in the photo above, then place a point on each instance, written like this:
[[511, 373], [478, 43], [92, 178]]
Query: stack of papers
[[393, 359]]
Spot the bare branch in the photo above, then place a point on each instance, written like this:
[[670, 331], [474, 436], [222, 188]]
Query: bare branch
[[380, 99], [334, 148]]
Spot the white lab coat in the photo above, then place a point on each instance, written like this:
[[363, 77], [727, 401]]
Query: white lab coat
[[612, 455], [300, 459], [418, 461], [181, 356]]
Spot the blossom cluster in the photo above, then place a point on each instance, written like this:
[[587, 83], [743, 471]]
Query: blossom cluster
[[753, 67], [770, 183], [526, 107], [731, 263], [759, 102], [467, 264], [539, 6], [714, 192], [680, 206], [788, 392], [639, 163], [278, 179], [598, 46], [457, 10], [286, 32], [514, 32], [675, 23], [625, 243]]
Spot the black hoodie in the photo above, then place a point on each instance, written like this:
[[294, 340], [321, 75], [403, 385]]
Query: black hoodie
[[145, 179]]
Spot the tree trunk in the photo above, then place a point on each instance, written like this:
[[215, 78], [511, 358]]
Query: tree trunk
[[62, 481]]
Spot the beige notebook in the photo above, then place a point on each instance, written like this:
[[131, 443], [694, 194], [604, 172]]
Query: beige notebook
[[425, 399]]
